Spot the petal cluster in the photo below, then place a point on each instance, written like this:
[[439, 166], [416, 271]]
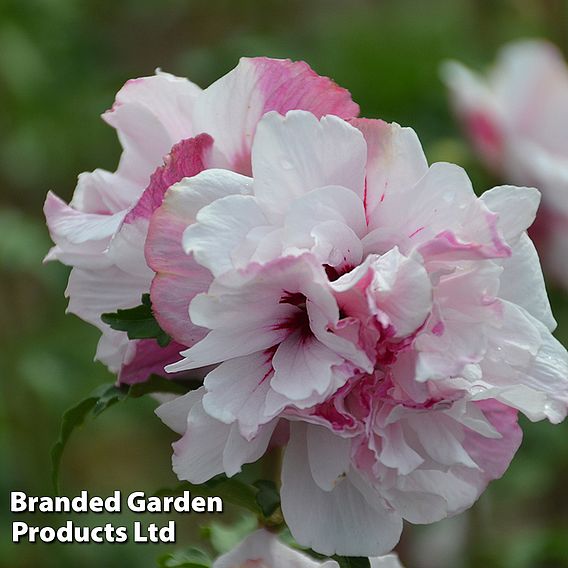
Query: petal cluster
[[365, 309], [169, 129], [516, 118]]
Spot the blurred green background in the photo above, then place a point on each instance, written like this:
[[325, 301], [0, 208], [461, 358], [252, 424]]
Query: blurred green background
[[61, 62]]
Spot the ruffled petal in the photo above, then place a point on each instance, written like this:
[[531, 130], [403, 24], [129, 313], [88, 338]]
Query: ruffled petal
[[231, 108], [341, 521], [295, 154], [150, 115]]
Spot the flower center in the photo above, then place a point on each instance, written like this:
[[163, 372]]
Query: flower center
[[299, 320], [334, 272]]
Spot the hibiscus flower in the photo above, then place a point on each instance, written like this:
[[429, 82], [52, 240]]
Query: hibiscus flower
[[365, 305], [169, 129]]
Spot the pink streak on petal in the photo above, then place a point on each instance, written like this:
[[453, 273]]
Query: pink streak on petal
[[179, 277], [186, 159], [447, 245], [293, 85], [438, 329], [289, 85]]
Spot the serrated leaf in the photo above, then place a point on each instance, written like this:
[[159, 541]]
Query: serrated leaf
[[100, 400], [352, 561], [138, 322], [189, 558], [267, 497]]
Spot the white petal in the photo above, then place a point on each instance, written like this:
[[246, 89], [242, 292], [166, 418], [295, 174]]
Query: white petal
[[239, 450], [175, 412], [95, 292], [516, 206], [332, 203], [220, 228], [341, 521], [265, 548], [187, 197], [209, 447], [395, 161], [329, 457], [522, 282], [441, 439], [236, 390], [100, 190], [388, 561], [81, 238], [415, 214], [150, 115], [401, 289], [523, 353], [302, 366], [295, 154]]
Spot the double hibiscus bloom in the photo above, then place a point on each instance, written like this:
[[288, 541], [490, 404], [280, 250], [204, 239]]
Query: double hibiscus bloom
[[339, 296]]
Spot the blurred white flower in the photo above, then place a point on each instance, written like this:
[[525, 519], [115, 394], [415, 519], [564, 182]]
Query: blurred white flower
[[517, 119]]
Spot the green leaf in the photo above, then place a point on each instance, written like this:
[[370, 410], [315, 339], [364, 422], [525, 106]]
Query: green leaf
[[233, 491], [109, 395], [138, 322], [230, 490], [268, 497], [352, 561], [189, 558], [225, 537], [72, 418], [100, 400]]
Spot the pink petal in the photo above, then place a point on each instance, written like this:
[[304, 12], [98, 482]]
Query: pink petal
[[186, 159], [149, 359], [231, 108], [494, 455], [179, 277]]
